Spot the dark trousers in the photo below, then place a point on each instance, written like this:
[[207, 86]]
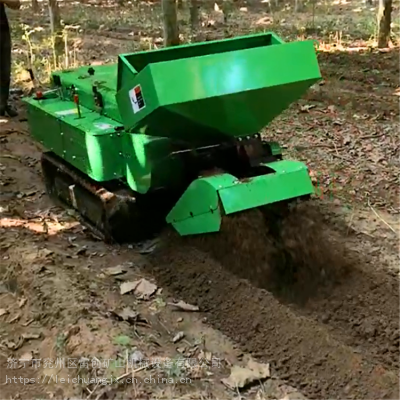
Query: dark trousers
[[5, 65]]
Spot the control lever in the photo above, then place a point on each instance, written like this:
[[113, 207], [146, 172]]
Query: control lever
[[98, 98]]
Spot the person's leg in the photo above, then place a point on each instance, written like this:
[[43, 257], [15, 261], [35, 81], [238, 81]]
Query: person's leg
[[5, 74]]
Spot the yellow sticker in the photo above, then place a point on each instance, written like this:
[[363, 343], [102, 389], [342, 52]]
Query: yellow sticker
[[67, 112]]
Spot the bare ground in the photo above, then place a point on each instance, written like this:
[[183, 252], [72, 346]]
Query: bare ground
[[331, 331], [341, 342], [59, 303], [61, 309]]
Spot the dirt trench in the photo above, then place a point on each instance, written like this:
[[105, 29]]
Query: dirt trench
[[324, 315]]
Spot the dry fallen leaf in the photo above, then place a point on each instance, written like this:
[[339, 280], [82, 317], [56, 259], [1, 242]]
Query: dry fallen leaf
[[44, 252], [71, 331], [332, 109], [307, 107], [127, 314], [15, 318], [127, 287], [82, 251], [294, 395], [3, 311], [12, 345], [142, 287], [145, 289], [205, 355], [181, 305], [241, 377], [179, 336], [22, 302], [31, 336], [26, 357], [118, 270]]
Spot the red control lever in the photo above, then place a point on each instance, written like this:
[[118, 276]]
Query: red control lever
[[76, 101]]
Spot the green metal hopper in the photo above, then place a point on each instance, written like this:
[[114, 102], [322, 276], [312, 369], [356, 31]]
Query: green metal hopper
[[209, 91]]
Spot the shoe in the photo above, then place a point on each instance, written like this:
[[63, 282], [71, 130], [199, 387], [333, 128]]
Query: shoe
[[9, 111]]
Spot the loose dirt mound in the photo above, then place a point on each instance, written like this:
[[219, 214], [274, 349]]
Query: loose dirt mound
[[290, 252], [322, 345], [298, 348]]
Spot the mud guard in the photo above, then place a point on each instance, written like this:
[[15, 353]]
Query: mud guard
[[201, 207]]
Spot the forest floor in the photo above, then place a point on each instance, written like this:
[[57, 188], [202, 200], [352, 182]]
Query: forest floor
[[61, 304]]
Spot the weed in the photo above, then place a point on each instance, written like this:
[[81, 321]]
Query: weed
[[60, 343], [174, 369], [123, 340]]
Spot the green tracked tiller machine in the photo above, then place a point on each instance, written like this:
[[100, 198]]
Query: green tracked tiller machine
[[173, 135]]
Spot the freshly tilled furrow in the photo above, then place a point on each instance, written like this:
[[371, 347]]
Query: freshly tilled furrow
[[291, 293]]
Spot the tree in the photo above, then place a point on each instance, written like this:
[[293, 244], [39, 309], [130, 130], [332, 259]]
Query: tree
[[170, 19], [194, 17], [56, 30], [384, 21], [35, 6]]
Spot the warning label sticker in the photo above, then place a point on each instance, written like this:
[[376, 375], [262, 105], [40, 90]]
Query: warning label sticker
[[102, 125], [137, 99], [67, 112]]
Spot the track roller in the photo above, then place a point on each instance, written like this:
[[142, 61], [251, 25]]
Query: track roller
[[114, 214]]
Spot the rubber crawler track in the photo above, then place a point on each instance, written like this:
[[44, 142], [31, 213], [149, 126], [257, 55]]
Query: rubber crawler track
[[114, 214]]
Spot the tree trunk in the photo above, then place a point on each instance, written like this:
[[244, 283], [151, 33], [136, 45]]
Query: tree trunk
[[194, 17], [171, 31], [180, 4], [384, 21], [56, 30], [298, 6], [35, 6], [226, 8]]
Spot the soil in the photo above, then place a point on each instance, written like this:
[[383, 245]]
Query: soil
[[59, 302], [343, 341]]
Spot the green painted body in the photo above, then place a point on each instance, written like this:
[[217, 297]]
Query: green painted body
[[158, 104], [224, 194]]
